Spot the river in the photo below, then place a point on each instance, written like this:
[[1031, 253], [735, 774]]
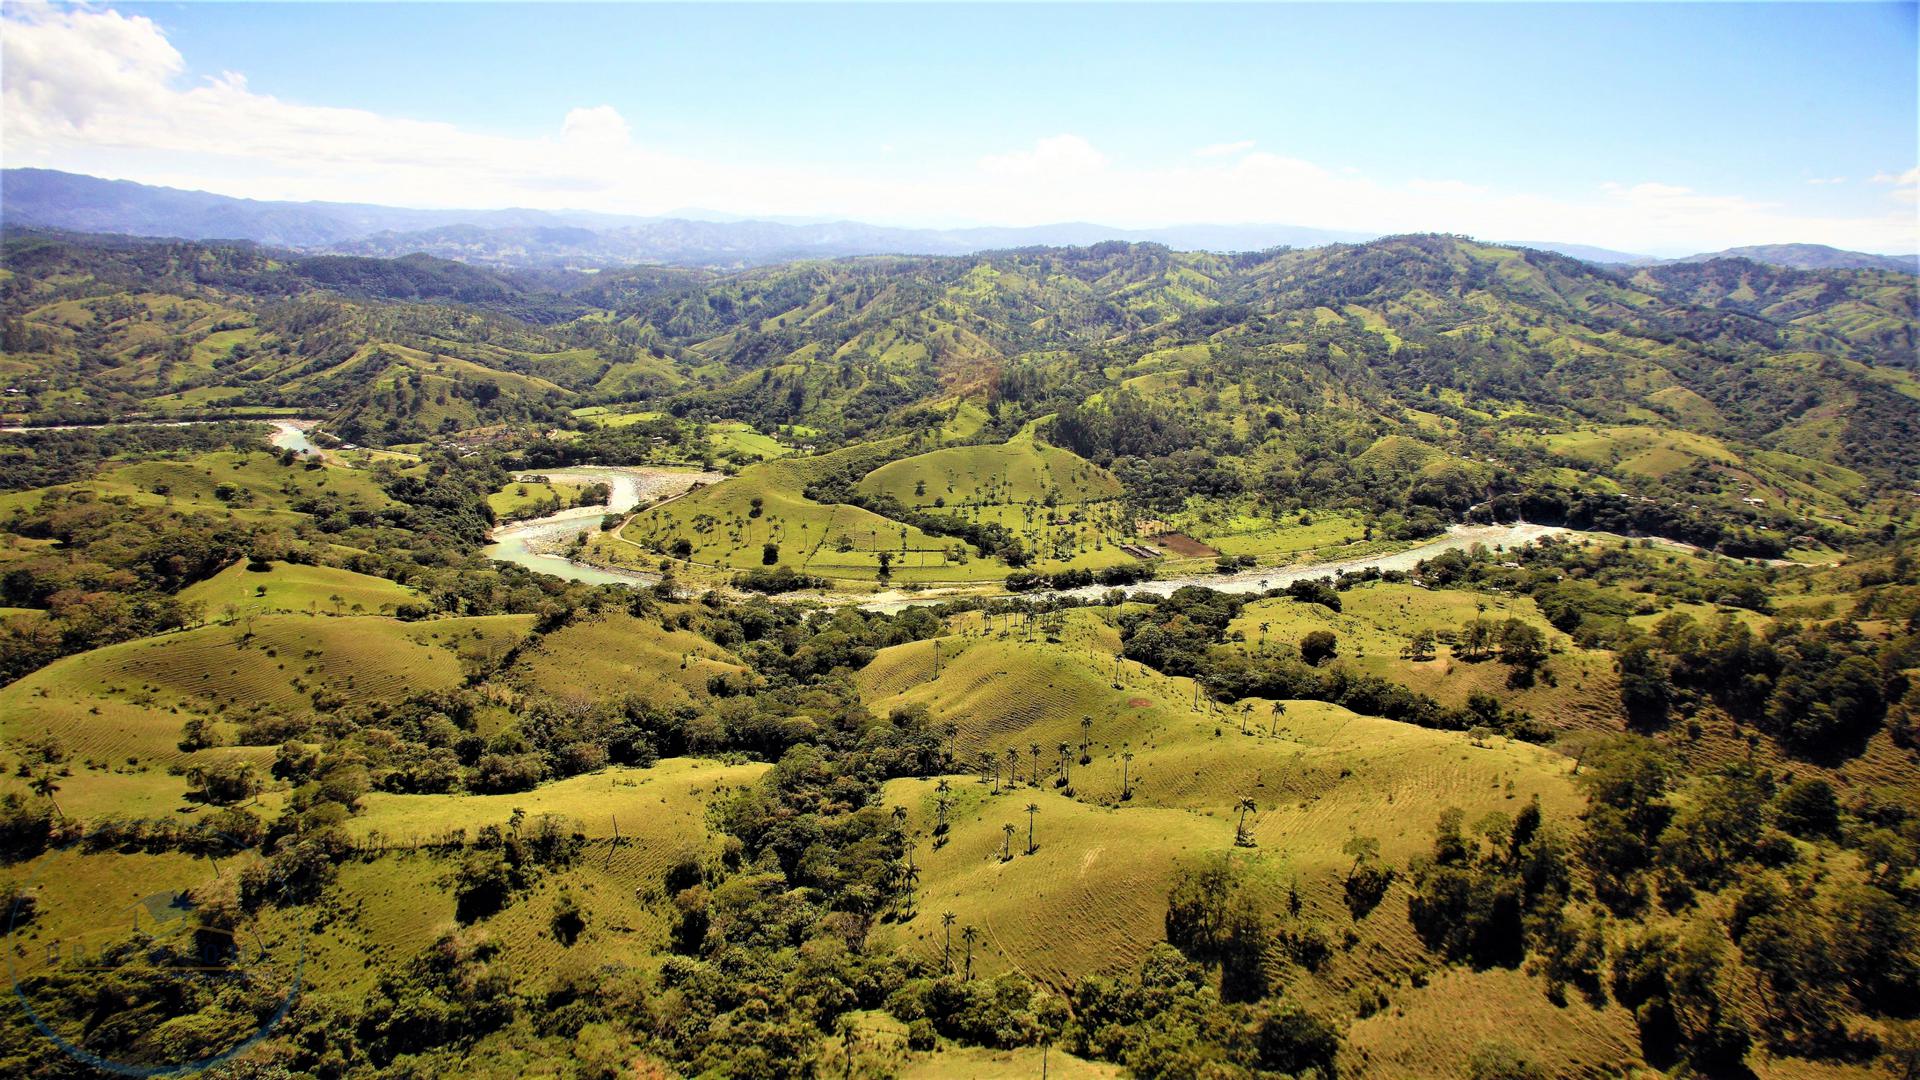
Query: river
[[536, 543], [1260, 579]]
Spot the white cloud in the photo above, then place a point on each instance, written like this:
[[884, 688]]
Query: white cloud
[[1224, 149], [601, 126], [96, 91], [1057, 157]]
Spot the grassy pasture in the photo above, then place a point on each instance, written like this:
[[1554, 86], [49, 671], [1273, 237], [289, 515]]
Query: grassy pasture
[[726, 530], [615, 655], [130, 699], [655, 806], [1020, 470], [527, 498], [1318, 774], [296, 587]]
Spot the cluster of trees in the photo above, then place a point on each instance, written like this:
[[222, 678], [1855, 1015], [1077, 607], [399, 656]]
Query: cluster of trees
[[1704, 917], [31, 459], [1185, 634], [1118, 576]]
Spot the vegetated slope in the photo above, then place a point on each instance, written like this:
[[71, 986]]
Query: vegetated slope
[[1093, 892], [274, 587], [132, 699], [616, 655], [1021, 470]]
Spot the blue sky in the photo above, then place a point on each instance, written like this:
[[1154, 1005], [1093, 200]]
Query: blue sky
[[1649, 127]]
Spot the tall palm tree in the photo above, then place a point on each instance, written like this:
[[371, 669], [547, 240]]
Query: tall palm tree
[[988, 761], [1066, 764], [1032, 809], [1279, 710], [953, 748], [1126, 788], [909, 882], [45, 786], [968, 934], [1006, 845], [946, 920], [1240, 836], [1013, 766], [1035, 749]]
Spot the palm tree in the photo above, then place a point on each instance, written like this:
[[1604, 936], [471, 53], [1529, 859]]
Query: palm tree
[[1240, 837], [1032, 809], [1006, 845], [946, 920], [953, 732], [1013, 766], [1035, 747], [909, 880], [1066, 765], [940, 804], [45, 786], [1126, 788], [900, 817], [968, 934], [1279, 710]]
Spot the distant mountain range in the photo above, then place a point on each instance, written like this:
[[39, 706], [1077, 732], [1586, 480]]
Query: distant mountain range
[[45, 198]]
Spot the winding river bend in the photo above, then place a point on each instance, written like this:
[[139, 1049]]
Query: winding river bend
[[537, 543]]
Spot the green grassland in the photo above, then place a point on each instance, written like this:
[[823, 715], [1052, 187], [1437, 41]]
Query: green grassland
[[616, 655], [1058, 505], [251, 485], [1022, 470], [657, 807], [522, 498], [284, 587], [1237, 527], [727, 531], [1093, 894], [130, 700]]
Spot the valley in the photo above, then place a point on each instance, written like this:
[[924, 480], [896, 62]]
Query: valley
[[1371, 660]]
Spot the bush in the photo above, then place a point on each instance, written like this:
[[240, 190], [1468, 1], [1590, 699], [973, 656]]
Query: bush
[[1499, 1061], [1318, 647]]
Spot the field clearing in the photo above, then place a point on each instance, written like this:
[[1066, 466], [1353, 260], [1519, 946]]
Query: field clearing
[[1431, 1031], [725, 528], [130, 699], [738, 439], [528, 498], [93, 898], [1092, 897], [1318, 774], [1232, 528], [965, 1062], [1648, 451], [616, 654], [294, 587], [662, 807], [1020, 470]]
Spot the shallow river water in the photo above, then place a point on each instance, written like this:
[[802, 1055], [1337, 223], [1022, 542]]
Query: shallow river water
[[537, 543]]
